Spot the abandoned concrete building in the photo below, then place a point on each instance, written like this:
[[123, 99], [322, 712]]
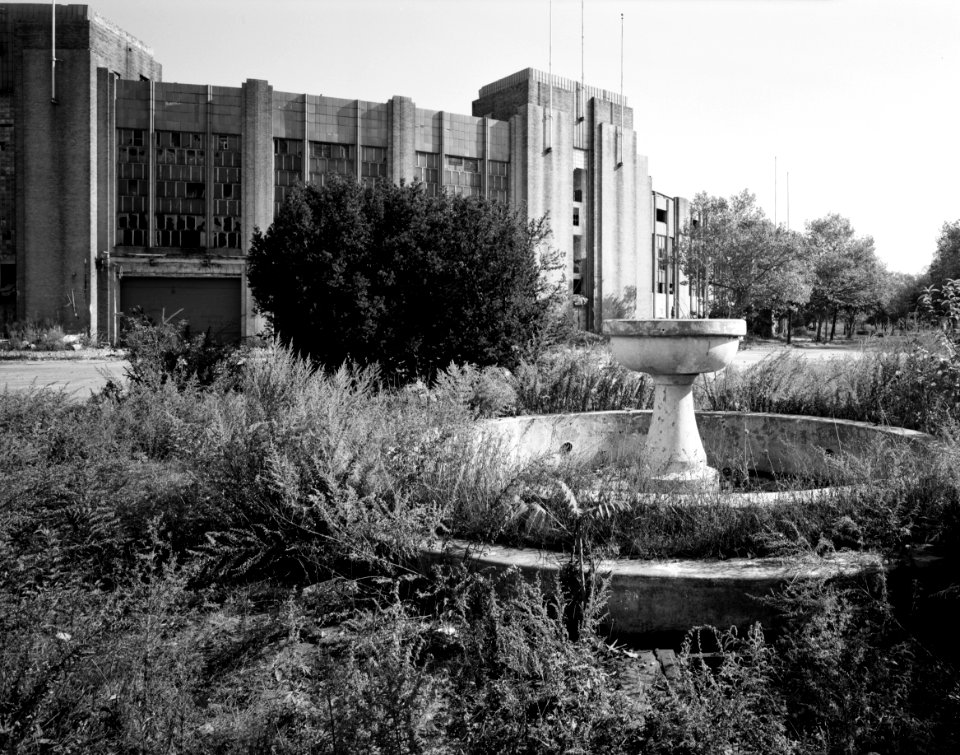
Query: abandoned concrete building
[[118, 189]]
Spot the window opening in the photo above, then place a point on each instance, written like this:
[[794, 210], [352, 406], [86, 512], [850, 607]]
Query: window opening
[[180, 201]]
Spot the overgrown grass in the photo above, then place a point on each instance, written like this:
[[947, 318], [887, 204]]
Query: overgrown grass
[[225, 565], [887, 503], [913, 384]]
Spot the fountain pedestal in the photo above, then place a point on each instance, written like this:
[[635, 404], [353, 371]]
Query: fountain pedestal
[[673, 353], [674, 450]]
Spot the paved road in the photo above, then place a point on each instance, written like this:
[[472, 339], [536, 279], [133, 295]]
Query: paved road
[[78, 377], [753, 354], [82, 377]]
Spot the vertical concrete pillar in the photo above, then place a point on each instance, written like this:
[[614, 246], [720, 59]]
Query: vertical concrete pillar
[[357, 141], [518, 163], [151, 147], [306, 139], [56, 188], [102, 325], [208, 170], [401, 139], [256, 174]]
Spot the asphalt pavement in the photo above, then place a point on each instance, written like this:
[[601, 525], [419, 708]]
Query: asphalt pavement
[[81, 376], [78, 377]]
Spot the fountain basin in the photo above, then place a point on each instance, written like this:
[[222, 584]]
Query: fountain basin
[[674, 347], [672, 595], [774, 444], [676, 594]]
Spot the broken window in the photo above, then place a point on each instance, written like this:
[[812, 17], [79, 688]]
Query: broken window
[[180, 204], [287, 169], [461, 175], [498, 175], [133, 188], [226, 193], [329, 159], [661, 267], [427, 171], [373, 164]]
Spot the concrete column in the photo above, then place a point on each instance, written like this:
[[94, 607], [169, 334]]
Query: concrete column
[[256, 173], [208, 168], [151, 146], [102, 325], [401, 140]]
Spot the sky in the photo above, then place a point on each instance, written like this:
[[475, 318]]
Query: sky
[[815, 106]]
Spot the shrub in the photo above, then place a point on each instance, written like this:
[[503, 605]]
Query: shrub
[[853, 680], [42, 335], [169, 351], [387, 274]]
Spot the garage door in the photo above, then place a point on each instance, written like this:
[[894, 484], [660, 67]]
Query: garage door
[[206, 303]]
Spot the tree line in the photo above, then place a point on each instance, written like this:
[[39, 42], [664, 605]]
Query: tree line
[[741, 264]]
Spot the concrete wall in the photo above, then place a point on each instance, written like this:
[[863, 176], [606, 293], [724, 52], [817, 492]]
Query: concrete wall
[[59, 194], [56, 146], [583, 133]]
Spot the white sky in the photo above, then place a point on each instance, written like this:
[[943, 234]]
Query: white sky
[[856, 99]]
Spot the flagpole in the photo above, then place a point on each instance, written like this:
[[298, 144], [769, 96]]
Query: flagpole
[[53, 51]]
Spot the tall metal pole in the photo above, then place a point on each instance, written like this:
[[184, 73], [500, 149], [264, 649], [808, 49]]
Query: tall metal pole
[[774, 191], [620, 134], [583, 84], [548, 120], [53, 51], [788, 200]]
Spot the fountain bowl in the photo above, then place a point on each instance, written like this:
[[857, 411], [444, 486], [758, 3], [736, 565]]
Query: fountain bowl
[[674, 347]]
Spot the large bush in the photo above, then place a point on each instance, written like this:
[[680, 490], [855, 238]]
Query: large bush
[[387, 274]]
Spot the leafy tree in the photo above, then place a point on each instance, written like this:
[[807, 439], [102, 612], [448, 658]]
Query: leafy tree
[[897, 302], [939, 290], [756, 270], [387, 274], [847, 273], [946, 259]]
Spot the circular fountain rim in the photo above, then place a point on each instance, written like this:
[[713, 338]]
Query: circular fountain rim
[[675, 594], [674, 328], [670, 594], [569, 432]]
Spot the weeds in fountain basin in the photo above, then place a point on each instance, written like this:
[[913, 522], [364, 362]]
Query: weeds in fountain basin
[[555, 504]]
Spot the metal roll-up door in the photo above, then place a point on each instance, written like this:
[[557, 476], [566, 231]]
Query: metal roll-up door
[[206, 303]]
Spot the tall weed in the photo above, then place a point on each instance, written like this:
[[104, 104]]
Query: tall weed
[[308, 468], [578, 380], [731, 705], [913, 384]]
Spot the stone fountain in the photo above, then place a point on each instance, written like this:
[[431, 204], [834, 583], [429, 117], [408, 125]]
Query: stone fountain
[[674, 353], [675, 594]]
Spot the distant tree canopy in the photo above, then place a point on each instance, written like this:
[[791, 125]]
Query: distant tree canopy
[[847, 274], [755, 268], [939, 289], [387, 274], [946, 258], [761, 271]]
